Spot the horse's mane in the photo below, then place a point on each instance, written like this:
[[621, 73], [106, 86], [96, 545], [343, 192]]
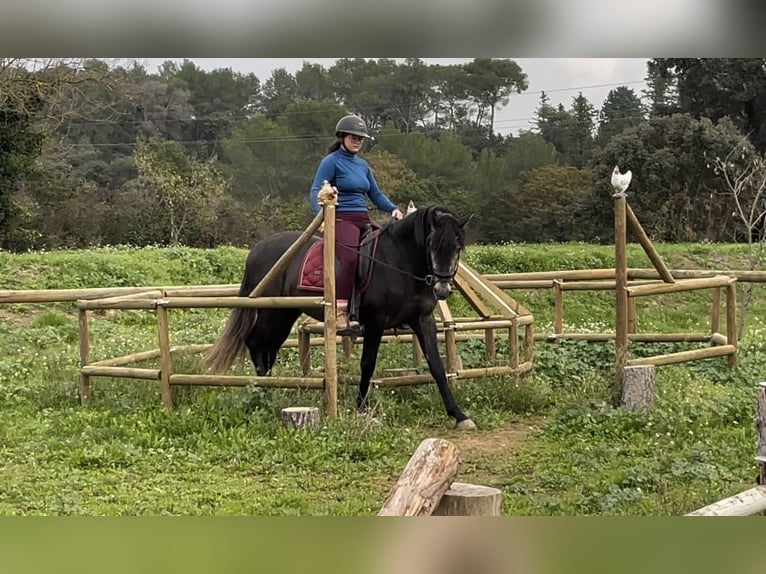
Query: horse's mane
[[417, 225]]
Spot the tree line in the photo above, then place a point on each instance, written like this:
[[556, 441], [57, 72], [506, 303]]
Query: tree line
[[94, 152]]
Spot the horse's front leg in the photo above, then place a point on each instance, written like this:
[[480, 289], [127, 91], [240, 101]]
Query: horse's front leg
[[370, 347], [425, 329]]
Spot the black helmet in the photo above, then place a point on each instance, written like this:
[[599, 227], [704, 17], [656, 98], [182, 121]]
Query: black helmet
[[351, 125]]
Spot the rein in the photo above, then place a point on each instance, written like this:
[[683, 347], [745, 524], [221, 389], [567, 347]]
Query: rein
[[429, 279]]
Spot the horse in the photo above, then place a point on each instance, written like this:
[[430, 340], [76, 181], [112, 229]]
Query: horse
[[413, 266]]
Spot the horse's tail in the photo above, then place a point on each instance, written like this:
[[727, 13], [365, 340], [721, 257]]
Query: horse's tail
[[231, 343]]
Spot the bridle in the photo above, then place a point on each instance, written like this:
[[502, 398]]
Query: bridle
[[437, 276], [434, 276]]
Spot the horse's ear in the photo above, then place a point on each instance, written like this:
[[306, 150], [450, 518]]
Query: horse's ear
[[465, 221]]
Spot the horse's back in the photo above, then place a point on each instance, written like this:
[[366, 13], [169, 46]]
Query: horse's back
[[265, 254]]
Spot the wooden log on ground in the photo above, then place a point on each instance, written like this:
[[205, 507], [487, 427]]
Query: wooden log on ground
[[745, 503], [424, 480], [470, 500], [300, 417], [638, 384]]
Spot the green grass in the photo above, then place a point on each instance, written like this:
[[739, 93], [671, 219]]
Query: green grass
[[547, 441]]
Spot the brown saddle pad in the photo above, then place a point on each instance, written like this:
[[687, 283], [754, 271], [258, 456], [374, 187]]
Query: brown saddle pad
[[311, 276]]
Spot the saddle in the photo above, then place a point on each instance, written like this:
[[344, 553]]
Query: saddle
[[311, 276]]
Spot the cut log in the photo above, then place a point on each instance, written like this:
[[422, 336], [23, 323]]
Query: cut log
[[470, 500], [745, 503], [426, 477], [300, 417], [638, 387]]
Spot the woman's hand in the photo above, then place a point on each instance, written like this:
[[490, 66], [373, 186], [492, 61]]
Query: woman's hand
[[396, 214]]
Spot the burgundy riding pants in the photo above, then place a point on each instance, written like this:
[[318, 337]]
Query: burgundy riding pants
[[348, 229]]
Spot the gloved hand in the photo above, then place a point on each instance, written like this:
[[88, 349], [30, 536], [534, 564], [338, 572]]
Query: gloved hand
[[396, 214]]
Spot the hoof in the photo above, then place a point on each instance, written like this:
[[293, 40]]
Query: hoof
[[466, 424]]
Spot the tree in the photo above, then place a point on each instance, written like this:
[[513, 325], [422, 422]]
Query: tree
[[674, 194], [312, 82], [36, 98], [490, 82], [719, 87], [187, 189], [661, 92], [545, 202], [279, 91], [621, 110], [581, 131], [528, 151], [266, 160], [553, 123], [743, 170]]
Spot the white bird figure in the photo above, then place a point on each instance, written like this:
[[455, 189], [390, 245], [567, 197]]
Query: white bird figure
[[620, 181], [411, 208]]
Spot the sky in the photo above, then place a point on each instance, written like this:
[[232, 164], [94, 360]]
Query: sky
[[561, 78]]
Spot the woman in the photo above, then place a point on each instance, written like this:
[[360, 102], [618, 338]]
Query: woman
[[352, 177]]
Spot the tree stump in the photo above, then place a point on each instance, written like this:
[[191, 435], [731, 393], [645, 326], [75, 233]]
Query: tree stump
[[470, 500], [300, 417], [426, 477], [638, 387]]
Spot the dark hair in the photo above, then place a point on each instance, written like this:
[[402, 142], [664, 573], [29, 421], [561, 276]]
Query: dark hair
[[335, 146]]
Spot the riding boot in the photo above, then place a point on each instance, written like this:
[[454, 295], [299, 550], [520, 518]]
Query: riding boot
[[341, 317]]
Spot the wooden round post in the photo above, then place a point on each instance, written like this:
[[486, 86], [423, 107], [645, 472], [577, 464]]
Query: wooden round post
[[417, 354], [715, 313], [330, 306], [558, 311], [760, 428], [513, 343], [732, 335], [638, 387], [300, 417], [83, 315], [163, 332], [348, 347], [424, 480], [489, 344], [470, 500], [304, 350], [621, 285]]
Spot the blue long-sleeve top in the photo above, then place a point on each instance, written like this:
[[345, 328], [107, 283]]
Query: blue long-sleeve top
[[353, 177]]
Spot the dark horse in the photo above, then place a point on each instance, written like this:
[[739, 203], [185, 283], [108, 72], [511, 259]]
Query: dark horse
[[414, 265]]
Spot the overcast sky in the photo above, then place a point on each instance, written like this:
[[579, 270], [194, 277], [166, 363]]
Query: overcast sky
[[560, 78]]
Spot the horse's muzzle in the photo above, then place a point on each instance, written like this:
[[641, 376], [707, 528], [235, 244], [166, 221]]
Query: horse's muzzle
[[442, 289]]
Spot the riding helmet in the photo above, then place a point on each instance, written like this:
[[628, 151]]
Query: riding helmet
[[351, 125]]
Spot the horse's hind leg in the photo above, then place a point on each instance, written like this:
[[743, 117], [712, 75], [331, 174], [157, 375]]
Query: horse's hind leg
[[269, 333]]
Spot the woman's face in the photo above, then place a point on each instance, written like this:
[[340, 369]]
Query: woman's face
[[353, 143]]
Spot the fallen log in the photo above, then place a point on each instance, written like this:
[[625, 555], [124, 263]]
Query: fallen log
[[424, 480]]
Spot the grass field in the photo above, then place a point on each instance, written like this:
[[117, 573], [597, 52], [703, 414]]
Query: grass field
[[541, 440]]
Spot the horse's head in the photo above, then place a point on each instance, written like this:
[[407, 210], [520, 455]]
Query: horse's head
[[444, 239]]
